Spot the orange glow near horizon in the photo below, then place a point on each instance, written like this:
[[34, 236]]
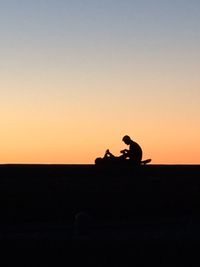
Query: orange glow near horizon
[[50, 144], [53, 129]]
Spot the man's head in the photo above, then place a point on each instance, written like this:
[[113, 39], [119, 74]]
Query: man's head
[[126, 139]]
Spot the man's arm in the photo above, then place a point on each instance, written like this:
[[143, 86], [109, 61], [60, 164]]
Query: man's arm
[[124, 151]]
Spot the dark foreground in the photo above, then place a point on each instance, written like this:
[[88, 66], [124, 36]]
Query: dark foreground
[[60, 215]]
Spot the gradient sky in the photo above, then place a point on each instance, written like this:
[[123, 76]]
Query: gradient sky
[[77, 75]]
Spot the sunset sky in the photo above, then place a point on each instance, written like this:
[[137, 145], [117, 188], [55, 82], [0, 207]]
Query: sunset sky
[[77, 75]]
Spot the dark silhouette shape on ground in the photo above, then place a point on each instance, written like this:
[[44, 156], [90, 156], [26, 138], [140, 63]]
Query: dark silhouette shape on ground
[[132, 156]]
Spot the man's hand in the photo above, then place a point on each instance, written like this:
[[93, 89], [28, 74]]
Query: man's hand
[[124, 151]]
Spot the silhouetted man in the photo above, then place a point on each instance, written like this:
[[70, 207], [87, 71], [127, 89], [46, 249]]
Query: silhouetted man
[[133, 154]]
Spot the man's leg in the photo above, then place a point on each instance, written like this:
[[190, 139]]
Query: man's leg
[[108, 154]]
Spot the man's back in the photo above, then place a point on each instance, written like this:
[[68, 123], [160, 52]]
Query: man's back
[[135, 152]]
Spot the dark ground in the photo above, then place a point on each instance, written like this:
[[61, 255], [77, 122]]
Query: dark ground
[[67, 215]]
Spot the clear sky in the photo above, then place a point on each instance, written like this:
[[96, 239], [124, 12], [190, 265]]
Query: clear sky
[[78, 75]]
